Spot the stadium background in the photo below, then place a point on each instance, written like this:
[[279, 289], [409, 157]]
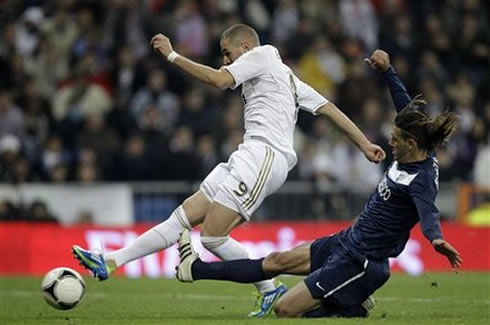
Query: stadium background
[[100, 137]]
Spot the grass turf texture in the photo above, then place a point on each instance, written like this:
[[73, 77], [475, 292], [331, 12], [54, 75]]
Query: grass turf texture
[[434, 298]]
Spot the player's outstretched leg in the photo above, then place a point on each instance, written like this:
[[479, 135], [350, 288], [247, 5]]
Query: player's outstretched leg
[[94, 262], [187, 257]]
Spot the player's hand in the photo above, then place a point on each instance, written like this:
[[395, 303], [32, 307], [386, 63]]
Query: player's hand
[[374, 153], [379, 61], [444, 248], [161, 43]]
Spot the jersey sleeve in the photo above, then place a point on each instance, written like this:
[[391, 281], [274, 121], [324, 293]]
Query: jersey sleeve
[[398, 92], [247, 66], [423, 191], [308, 98]]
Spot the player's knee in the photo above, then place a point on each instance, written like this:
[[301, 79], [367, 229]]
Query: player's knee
[[211, 242], [195, 208], [281, 309]]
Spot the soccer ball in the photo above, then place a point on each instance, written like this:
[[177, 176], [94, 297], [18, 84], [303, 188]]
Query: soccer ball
[[63, 288]]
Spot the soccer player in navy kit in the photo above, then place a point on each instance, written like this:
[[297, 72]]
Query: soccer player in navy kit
[[343, 270]]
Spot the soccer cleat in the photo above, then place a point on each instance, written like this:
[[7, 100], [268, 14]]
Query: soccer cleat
[[187, 257], [264, 303], [94, 262], [368, 304]]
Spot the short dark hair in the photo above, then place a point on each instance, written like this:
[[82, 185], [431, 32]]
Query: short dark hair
[[428, 133], [242, 32]]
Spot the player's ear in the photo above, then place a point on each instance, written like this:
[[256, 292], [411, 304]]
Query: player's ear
[[246, 45], [412, 143]]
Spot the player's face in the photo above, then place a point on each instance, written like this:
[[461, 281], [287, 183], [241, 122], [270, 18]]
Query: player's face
[[231, 51], [400, 146]]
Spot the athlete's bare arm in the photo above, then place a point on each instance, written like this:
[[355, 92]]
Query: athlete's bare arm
[[372, 152], [220, 79]]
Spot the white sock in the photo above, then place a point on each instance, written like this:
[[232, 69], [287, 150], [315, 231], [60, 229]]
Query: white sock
[[155, 239], [229, 249]]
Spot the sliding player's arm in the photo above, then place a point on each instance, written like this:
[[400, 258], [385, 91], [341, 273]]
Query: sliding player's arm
[[380, 61], [220, 79], [423, 192]]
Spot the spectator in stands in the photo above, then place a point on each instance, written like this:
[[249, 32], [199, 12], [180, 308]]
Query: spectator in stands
[[38, 212], [79, 98], [358, 19], [472, 43], [88, 170], [133, 163], [9, 211], [38, 120], [127, 75], [89, 34], [28, 31], [97, 136], [11, 117], [10, 153], [190, 29], [22, 172], [155, 94], [60, 29], [183, 162], [86, 173], [322, 67], [54, 155], [284, 20], [207, 154], [125, 25], [47, 68], [195, 113], [59, 173], [85, 217], [430, 66]]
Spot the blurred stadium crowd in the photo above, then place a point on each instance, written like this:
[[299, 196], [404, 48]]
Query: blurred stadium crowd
[[84, 99]]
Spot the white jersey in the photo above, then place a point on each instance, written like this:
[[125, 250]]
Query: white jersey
[[272, 95]]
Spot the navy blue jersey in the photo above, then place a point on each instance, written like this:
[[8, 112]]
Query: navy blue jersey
[[405, 195]]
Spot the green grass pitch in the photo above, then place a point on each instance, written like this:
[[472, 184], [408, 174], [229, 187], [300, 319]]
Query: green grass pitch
[[433, 298]]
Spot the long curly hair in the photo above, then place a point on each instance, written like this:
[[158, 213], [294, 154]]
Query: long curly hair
[[429, 133]]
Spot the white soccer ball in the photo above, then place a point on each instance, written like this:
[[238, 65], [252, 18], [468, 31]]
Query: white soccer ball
[[63, 288]]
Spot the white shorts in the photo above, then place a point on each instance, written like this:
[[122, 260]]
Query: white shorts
[[252, 173]]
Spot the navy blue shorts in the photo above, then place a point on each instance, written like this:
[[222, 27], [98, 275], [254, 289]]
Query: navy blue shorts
[[341, 276]]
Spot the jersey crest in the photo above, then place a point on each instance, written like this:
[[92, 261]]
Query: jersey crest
[[400, 176]]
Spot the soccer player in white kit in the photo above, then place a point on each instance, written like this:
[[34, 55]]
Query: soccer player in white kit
[[229, 195]]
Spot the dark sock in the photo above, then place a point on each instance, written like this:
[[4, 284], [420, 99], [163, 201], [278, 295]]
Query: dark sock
[[322, 311], [243, 271]]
